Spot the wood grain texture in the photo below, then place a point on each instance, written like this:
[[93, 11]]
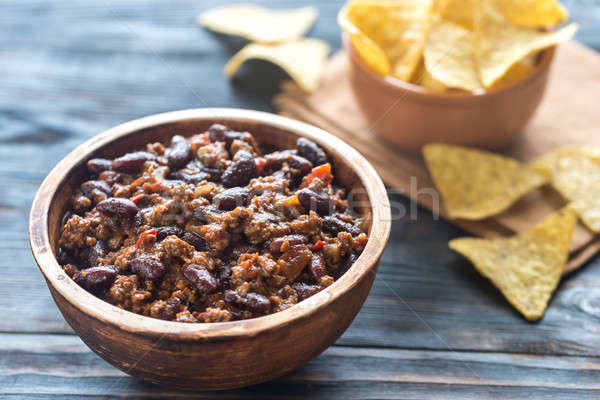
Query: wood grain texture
[[71, 369], [71, 69]]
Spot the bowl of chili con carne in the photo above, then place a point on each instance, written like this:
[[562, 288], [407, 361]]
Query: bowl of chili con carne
[[210, 248]]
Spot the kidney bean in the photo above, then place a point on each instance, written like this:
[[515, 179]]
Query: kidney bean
[[95, 278], [232, 198], [88, 187], [148, 267], [131, 163], [240, 249], [274, 161], [317, 267], [140, 217], [319, 202], [203, 214], [180, 152], [333, 224], [195, 167], [203, 280], [223, 276], [165, 231], [98, 165], [277, 243], [64, 256], [241, 171], [257, 303], [215, 174], [304, 291], [230, 136], [196, 240], [232, 297], [118, 207], [300, 163], [220, 133], [90, 255], [311, 151], [216, 132], [346, 264], [170, 309], [187, 177]]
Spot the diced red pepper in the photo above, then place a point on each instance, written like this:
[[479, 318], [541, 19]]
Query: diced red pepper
[[319, 245], [323, 172], [259, 165], [138, 198], [139, 241]]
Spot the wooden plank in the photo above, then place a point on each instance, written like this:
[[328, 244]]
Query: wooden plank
[[59, 366]]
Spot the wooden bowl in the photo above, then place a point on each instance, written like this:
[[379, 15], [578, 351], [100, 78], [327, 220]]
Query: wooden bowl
[[213, 355], [411, 116]]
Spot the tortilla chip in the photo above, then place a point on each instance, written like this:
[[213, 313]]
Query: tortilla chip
[[533, 13], [526, 267], [259, 24], [394, 28], [499, 44], [575, 174], [450, 57], [515, 74], [303, 60], [423, 78], [459, 12], [476, 184]]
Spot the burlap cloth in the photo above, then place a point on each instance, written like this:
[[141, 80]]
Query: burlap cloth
[[569, 115]]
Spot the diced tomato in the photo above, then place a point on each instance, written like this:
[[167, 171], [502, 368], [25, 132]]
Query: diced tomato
[[323, 172], [138, 198], [139, 241], [259, 165], [319, 245]]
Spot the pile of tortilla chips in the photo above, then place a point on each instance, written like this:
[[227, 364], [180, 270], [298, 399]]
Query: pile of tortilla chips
[[470, 45], [476, 184], [276, 36]]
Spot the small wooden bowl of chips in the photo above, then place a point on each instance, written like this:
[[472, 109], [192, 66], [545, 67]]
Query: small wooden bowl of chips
[[410, 116]]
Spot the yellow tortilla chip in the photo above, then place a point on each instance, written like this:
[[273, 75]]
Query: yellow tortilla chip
[[259, 24], [476, 184], [303, 59], [499, 44], [533, 13], [394, 28], [423, 78], [515, 74], [449, 56], [526, 267], [459, 12], [575, 173]]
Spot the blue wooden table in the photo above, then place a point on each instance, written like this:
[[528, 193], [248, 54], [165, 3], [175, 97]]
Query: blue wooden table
[[431, 327]]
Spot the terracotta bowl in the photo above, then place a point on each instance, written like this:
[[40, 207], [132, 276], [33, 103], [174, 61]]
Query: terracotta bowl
[[219, 355], [410, 116]]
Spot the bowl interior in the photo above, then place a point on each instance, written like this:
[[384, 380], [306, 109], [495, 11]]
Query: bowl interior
[[268, 137]]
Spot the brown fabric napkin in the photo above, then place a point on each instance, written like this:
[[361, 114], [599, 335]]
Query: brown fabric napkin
[[568, 116]]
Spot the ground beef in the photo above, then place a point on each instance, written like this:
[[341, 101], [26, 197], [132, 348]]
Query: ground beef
[[209, 229]]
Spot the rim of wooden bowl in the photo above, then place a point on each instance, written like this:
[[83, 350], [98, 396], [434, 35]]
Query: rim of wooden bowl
[[418, 92], [129, 321]]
